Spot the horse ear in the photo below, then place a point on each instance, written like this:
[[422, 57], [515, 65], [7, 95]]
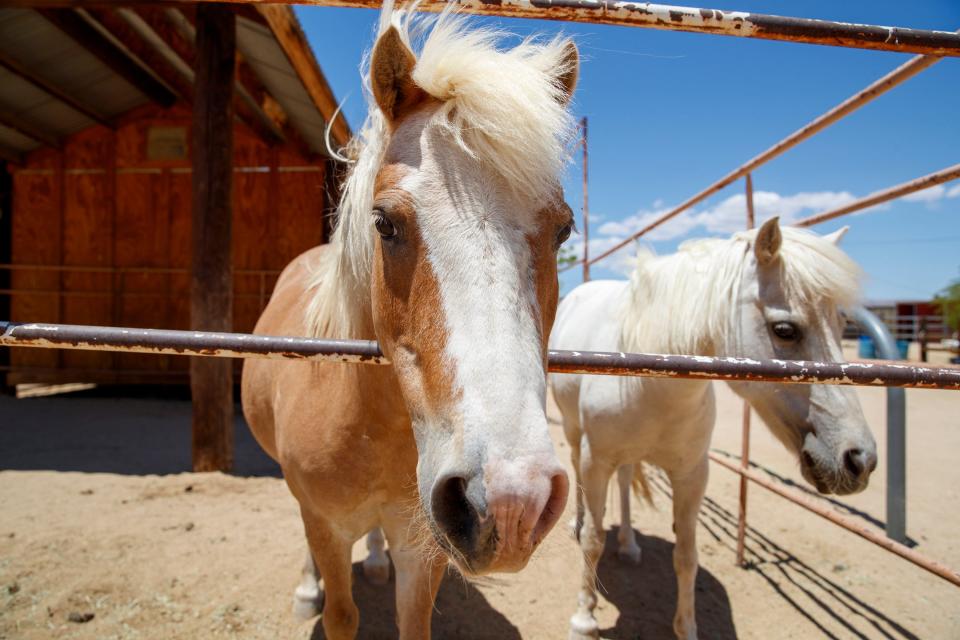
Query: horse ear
[[391, 75], [767, 245], [837, 235], [570, 70]]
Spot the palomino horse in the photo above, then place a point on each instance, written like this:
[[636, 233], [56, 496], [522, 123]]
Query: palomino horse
[[770, 293], [445, 252]]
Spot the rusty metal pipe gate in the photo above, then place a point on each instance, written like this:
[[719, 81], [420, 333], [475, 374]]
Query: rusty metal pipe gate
[[242, 345], [930, 44], [645, 15]]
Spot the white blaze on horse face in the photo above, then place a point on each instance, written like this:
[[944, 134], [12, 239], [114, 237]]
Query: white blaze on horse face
[[475, 232]]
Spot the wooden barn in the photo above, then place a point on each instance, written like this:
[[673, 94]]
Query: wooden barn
[[109, 138]]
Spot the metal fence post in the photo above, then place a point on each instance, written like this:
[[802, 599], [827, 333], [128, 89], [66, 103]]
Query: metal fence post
[[896, 428], [745, 429]]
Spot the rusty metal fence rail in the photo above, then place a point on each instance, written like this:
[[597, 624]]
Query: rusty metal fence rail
[[645, 15], [242, 345]]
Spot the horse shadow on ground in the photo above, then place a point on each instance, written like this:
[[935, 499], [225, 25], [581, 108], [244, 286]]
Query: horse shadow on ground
[[460, 611], [820, 599], [646, 595]]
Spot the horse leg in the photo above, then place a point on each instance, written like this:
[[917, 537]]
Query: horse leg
[[332, 555], [629, 550], [595, 477], [418, 576], [688, 490], [376, 567], [571, 429], [308, 596]]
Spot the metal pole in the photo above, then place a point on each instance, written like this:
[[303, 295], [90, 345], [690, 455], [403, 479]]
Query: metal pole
[[745, 427], [651, 16], [896, 428], [586, 206], [243, 345], [904, 72], [890, 193], [884, 542]]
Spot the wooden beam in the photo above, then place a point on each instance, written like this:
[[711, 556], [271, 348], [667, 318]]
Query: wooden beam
[[178, 32], [16, 68], [211, 286], [90, 38], [29, 129], [286, 29], [148, 54]]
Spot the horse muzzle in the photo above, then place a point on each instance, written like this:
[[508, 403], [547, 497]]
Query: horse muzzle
[[494, 520], [842, 473]]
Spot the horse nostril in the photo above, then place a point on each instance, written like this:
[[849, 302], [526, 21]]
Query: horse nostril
[[858, 462], [807, 459], [449, 500]]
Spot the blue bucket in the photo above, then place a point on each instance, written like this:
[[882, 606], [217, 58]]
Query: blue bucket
[[903, 346], [867, 348]]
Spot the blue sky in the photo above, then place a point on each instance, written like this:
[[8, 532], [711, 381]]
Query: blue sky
[[671, 113]]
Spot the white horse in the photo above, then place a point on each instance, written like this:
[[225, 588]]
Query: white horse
[[771, 293]]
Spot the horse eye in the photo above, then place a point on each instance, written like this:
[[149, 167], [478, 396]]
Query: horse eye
[[786, 331], [385, 228], [564, 234]]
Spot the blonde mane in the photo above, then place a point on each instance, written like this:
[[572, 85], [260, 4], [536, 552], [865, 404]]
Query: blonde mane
[[684, 302], [504, 107]]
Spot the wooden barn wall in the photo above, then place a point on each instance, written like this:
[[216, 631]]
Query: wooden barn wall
[[99, 208]]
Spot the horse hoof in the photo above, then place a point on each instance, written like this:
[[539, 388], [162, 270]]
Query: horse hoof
[[307, 603], [629, 554], [583, 626], [377, 570]]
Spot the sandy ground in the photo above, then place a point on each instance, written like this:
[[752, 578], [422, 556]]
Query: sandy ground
[[97, 516]]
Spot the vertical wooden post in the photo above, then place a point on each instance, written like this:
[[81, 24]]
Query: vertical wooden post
[[745, 428], [211, 283], [586, 205]]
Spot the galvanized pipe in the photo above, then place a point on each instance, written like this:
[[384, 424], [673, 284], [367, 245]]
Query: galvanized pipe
[[890, 193], [896, 427], [904, 72], [646, 15], [241, 345], [893, 546]]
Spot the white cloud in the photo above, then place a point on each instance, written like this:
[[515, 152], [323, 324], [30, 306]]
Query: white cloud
[[929, 195], [621, 262], [676, 227], [731, 214], [954, 191]]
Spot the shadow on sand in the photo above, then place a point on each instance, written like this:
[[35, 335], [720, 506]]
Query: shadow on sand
[[124, 430], [461, 611], [822, 601], [646, 595]]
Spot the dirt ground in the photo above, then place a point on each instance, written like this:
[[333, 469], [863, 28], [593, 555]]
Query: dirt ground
[[97, 516]]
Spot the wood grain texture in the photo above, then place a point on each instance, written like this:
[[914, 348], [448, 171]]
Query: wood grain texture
[[211, 285]]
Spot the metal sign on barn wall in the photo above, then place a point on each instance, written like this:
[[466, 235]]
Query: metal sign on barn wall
[[167, 143]]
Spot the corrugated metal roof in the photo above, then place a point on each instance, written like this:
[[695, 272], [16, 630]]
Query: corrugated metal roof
[[37, 45], [268, 61], [28, 38]]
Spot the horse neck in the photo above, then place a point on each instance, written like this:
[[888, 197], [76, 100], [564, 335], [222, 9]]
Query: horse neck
[[674, 305]]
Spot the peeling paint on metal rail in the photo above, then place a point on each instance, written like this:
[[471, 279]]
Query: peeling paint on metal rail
[[645, 15], [240, 345]]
